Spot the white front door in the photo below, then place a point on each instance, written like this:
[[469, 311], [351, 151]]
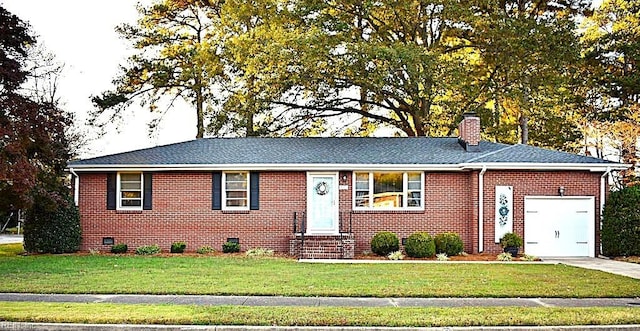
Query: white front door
[[559, 226], [322, 203]]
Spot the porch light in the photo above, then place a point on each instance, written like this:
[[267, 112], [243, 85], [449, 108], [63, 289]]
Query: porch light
[[561, 191]]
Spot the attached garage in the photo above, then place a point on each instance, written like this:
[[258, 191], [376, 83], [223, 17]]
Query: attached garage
[[559, 226]]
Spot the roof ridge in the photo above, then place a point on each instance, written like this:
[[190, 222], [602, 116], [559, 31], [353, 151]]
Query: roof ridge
[[491, 153]]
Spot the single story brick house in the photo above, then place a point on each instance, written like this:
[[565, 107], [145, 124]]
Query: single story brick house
[[327, 197]]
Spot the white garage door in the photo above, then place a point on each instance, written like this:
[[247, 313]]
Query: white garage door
[[559, 226]]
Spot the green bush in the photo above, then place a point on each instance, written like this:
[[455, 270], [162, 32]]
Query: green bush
[[205, 250], [52, 224], [230, 247], [148, 250], [119, 248], [448, 243], [383, 243], [621, 223], [420, 244], [178, 247], [510, 239]]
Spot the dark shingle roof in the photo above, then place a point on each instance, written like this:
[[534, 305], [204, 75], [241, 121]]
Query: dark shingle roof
[[353, 151]]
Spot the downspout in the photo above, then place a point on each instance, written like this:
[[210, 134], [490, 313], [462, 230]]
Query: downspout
[[602, 198], [481, 209], [76, 186]]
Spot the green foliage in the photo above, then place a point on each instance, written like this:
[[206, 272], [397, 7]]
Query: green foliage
[[510, 239], [397, 255], [259, 252], [230, 247], [178, 247], [119, 248], [420, 244], [148, 250], [52, 224], [383, 243], [527, 257], [621, 223], [504, 257], [449, 243], [205, 250]]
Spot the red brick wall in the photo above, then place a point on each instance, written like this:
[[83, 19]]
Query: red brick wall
[[182, 209], [536, 183]]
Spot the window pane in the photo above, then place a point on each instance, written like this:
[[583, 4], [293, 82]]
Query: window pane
[[131, 203], [130, 186], [131, 194], [130, 177], [237, 194], [362, 177], [236, 185], [236, 203], [387, 190], [236, 177]]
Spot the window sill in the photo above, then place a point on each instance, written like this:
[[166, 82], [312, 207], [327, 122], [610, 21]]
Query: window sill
[[387, 211], [235, 211], [125, 211]]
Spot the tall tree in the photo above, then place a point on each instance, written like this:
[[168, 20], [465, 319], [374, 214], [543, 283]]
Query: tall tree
[[174, 61], [33, 141], [418, 65], [611, 44]]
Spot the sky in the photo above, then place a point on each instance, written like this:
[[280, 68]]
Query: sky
[[81, 35]]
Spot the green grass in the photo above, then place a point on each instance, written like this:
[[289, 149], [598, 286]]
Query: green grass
[[11, 250], [277, 276], [311, 316]]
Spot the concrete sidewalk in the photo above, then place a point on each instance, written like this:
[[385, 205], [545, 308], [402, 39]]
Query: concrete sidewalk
[[611, 266], [212, 300], [11, 238]]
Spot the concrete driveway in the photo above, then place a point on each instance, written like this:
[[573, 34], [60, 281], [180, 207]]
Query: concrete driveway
[[11, 238], [611, 266]]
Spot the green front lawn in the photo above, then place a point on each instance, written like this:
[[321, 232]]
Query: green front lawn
[[312, 316], [233, 275]]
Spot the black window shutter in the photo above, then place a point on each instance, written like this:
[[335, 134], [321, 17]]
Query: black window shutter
[[216, 191], [254, 191], [111, 191], [147, 195]]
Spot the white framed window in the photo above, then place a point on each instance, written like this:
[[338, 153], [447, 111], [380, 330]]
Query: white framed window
[[235, 190], [130, 190], [388, 190]]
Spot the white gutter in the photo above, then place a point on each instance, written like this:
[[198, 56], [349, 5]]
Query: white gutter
[[352, 167], [481, 209], [76, 186], [603, 180]]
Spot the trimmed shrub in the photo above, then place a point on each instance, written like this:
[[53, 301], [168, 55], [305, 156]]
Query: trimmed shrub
[[621, 223], [510, 239], [448, 243], [205, 250], [148, 250], [178, 247], [385, 242], [420, 244], [230, 247], [52, 224], [119, 248]]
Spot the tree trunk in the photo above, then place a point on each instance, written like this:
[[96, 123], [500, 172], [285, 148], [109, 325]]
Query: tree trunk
[[199, 111], [524, 129]]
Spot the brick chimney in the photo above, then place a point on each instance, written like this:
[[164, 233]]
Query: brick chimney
[[469, 132]]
